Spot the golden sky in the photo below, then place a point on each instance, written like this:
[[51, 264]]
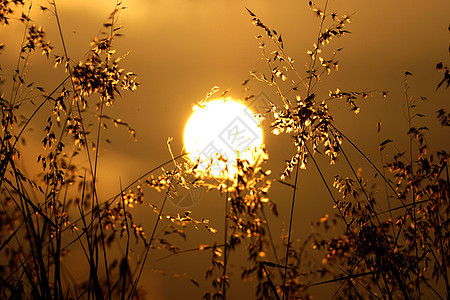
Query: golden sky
[[180, 49]]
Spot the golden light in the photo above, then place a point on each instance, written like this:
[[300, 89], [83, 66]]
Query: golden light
[[218, 130]]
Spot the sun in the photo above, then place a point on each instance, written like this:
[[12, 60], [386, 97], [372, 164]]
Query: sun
[[220, 131]]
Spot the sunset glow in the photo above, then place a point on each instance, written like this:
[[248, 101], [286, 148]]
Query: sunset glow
[[221, 128]]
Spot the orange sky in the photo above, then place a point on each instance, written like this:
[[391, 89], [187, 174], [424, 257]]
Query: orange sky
[[180, 49]]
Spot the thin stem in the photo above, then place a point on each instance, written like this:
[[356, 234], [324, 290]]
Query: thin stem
[[225, 251], [290, 230], [272, 243], [408, 106], [311, 68], [314, 56], [128, 244], [148, 246], [385, 186]]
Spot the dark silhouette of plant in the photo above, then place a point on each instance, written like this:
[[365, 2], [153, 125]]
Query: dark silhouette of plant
[[400, 253], [372, 252], [41, 219]]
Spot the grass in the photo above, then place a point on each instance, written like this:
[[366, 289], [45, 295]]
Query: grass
[[367, 250]]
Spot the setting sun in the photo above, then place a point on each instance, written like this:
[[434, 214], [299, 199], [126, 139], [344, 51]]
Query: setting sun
[[211, 149], [221, 128]]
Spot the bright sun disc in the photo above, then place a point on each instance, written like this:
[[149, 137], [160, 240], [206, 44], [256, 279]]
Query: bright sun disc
[[222, 127]]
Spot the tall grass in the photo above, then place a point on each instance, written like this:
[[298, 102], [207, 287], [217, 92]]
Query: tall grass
[[43, 219], [401, 252]]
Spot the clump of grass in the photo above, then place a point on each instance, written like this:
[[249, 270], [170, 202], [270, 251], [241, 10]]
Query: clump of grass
[[401, 252], [43, 218]]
